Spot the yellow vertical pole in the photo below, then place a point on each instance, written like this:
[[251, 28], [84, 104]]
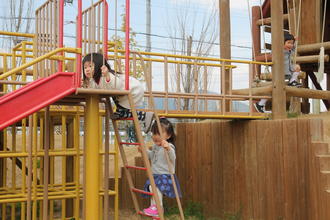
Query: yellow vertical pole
[[116, 205], [35, 169], [4, 171], [64, 143], [51, 165], [101, 162], [77, 163], [13, 165], [23, 60], [92, 157], [41, 164], [5, 69], [23, 204], [23, 136]]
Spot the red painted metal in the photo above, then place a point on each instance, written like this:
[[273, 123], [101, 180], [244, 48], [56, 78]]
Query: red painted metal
[[142, 191], [135, 167], [79, 43], [266, 8], [35, 96], [127, 50], [61, 33], [105, 29]]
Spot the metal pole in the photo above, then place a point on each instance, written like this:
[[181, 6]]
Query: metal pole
[[92, 157], [279, 96], [148, 27], [61, 33], [127, 50], [79, 42], [105, 29]]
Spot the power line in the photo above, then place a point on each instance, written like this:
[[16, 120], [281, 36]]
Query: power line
[[156, 35]]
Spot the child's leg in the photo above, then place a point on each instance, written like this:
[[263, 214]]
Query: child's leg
[[160, 196], [294, 77], [122, 112], [262, 102]]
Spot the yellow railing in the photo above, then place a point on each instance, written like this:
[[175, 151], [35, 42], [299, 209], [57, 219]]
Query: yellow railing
[[16, 34], [38, 59]]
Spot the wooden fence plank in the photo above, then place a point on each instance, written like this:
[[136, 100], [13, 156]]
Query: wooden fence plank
[[217, 168], [239, 145], [262, 164], [302, 145], [251, 167], [228, 167], [290, 170]]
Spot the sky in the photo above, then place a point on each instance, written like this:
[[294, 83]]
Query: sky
[[164, 15]]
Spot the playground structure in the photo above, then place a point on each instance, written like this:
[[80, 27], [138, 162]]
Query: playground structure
[[41, 121]]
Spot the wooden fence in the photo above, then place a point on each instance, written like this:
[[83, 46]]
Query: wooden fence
[[263, 169]]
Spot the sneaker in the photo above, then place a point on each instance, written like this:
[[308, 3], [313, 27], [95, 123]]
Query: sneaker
[[295, 83], [151, 211], [259, 108], [121, 114], [115, 116], [148, 121]]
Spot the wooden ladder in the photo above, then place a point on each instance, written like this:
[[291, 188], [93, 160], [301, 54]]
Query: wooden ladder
[[147, 166], [127, 168]]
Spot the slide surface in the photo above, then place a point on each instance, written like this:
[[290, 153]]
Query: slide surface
[[36, 95]]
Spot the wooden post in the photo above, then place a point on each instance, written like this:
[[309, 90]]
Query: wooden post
[[256, 12], [225, 50], [279, 96], [310, 32]]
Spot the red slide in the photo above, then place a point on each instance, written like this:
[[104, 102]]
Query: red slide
[[36, 95]]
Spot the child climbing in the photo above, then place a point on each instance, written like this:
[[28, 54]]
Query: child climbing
[[291, 71], [98, 74], [160, 166]]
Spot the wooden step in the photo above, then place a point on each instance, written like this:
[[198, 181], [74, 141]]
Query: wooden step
[[321, 148], [325, 179], [324, 161]]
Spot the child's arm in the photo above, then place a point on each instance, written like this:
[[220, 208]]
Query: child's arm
[[149, 152], [105, 73], [170, 149]]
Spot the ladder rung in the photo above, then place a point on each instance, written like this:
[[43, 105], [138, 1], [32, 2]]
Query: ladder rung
[[142, 191], [135, 167], [128, 143], [153, 217]]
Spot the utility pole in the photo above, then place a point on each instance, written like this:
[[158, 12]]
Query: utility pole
[[148, 23], [279, 96], [225, 49]]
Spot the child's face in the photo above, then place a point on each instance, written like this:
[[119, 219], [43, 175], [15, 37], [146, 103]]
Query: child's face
[[157, 139], [89, 69], [297, 69], [289, 44]]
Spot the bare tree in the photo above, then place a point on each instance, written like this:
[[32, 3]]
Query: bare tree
[[192, 35], [17, 18]]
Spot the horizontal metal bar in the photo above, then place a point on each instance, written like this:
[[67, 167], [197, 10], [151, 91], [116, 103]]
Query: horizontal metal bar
[[135, 167], [142, 191]]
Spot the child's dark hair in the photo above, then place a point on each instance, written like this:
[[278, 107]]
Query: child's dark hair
[[288, 36], [167, 127], [98, 61]]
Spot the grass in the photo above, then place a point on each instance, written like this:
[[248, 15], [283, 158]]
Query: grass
[[194, 211]]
